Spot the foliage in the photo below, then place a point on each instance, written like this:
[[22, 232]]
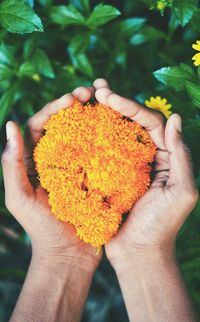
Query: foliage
[[144, 48]]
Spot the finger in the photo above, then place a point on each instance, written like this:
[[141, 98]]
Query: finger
[[161, 161], [103, 94], [36, 123], [148, 118], [84, 94], [160, 173], [34, 129], [92, 90], [17, 185], [181, 172], [100, 83]]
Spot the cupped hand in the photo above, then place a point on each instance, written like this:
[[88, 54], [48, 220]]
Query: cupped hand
[[155, 219], [28, 201]]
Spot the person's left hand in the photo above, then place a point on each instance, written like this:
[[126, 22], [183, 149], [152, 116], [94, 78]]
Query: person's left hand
[[28, 203], [155, 219]]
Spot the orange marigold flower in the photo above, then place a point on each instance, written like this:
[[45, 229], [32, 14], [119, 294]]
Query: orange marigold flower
[[95, 164]]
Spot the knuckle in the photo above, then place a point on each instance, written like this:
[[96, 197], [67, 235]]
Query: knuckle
[[157, 114], [159, 120], [48, 107], [160, 117]]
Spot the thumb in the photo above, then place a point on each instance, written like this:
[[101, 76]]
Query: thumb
[[180, 164], [16, 182]]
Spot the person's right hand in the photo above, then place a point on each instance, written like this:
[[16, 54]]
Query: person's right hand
[[155, 219], [51, 238]]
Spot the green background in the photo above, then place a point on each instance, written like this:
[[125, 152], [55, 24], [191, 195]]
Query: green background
[[47, 48]]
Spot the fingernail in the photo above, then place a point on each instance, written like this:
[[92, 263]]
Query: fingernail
[[178, 123], [11, 136], [8, 131]]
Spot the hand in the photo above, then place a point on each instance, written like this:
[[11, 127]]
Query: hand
[[155, 219], [51, 238]]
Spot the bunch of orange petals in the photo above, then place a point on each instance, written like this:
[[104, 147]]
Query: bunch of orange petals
[[95, 164]]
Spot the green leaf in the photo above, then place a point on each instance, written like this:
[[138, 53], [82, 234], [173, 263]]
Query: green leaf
[[173, 22], [45, 3], [195, 22], [81, 62], [30, 3], [5, 72], [121, 58], [83, 5], [147, 34], [66, 15], [29, 47], [184, 10], [193, 91], [17, 17], [79, 43], [6, 55], [176, 76], [198, 72], [6, 102], [187, 69], [192, 125], [26, 107], [101, 15], [2, 34], [42, 63], [26, 69], [131, 25]]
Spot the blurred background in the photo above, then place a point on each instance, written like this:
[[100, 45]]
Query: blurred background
[[144, 49]]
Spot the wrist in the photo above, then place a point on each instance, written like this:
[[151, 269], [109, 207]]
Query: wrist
[[54, 289], [126, 260], [64, 261]]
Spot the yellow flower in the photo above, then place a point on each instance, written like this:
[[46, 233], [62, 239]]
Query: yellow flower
[[159, 104], [36, 77], [94, 164], [196, 57], [161, 5]]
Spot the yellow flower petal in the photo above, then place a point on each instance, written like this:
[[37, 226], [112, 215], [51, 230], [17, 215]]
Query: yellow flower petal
[[160, 5], [159, 104], [196, 59], [197, 45], [36, 77]]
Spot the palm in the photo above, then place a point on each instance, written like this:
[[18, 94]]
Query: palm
[[140, 228], [54, 234], [154, 216]]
